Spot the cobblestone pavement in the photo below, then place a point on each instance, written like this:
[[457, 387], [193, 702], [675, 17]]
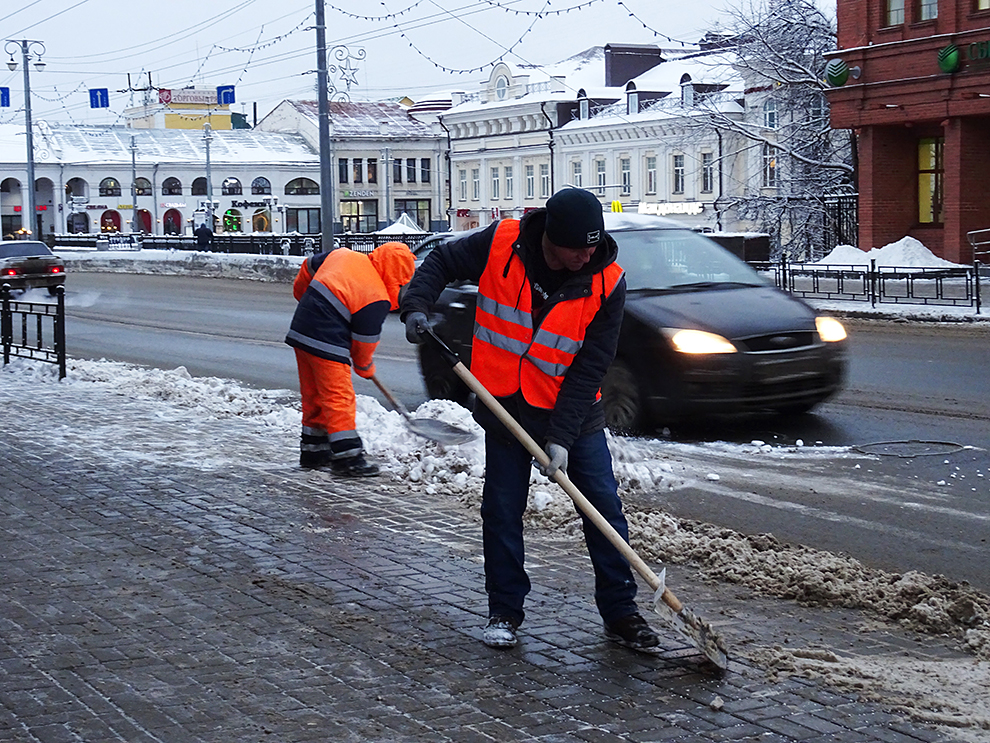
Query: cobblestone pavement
[[154, 601]]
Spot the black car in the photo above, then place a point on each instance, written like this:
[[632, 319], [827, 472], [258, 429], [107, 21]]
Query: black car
[[27, 264], [704, 335]]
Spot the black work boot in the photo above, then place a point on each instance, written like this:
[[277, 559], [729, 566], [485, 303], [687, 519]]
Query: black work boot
[[312, 460], [633, 632], [354, 467]]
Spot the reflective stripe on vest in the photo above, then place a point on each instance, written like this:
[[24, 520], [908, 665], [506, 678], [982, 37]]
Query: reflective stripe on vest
[[507, 356]]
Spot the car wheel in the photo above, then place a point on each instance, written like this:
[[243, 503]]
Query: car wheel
[[621, 398], [440, 380]]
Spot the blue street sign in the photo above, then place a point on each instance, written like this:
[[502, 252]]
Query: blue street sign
[[4, 97], [225, 94], [99, 98]]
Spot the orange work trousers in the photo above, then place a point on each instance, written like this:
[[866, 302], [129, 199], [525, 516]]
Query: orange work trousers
[[328, 406]]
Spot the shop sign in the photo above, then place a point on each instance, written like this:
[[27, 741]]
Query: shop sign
[[358, 194], [166, 96], [247, 204], [125, 206], [679, 207], [97, 206], [172, 205]]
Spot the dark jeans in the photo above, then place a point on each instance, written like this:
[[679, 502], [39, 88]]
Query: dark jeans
[[507, 472]]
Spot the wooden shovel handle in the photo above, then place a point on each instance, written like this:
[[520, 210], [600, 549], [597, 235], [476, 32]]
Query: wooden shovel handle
[[392, 400], [569, 487]]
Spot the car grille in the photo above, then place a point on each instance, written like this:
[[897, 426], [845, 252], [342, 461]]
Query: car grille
[[778, 341]]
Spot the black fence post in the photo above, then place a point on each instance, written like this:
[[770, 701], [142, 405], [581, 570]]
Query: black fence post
[[6, 324], [59, 328], [976, 286], [873, 282]]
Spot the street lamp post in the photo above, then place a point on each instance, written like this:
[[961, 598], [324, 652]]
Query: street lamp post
[[134, 204], [27, 48], [207, 137]]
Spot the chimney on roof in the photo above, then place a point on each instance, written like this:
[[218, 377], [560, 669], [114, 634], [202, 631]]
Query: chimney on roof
[[557, 84], [623, 62]]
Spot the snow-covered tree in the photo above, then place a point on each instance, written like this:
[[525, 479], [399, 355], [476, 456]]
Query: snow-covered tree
[[795, 159]]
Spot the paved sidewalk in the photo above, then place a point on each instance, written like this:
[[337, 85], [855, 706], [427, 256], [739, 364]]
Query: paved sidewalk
[[148, 601]]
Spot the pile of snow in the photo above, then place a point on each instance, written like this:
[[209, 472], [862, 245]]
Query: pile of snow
[[276, 268], [906, 252]]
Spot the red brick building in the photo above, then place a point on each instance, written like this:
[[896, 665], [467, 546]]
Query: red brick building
[[915, 87]]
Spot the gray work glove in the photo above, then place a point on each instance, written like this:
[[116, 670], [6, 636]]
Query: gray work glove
[[558, 460], [417, 325]]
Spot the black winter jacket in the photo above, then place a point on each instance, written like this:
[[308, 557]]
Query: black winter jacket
[[576, 411]]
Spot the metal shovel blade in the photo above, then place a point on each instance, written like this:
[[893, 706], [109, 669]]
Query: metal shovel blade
[[439, 431], [693, 629]]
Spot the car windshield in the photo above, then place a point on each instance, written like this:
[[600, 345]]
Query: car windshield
[[23, 249], [679, 260]]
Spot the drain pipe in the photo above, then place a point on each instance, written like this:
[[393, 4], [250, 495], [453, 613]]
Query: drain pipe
[[450, 176], [550, 144]]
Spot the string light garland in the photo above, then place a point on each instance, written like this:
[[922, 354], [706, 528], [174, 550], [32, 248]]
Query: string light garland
[[651, 29], [375, 18]]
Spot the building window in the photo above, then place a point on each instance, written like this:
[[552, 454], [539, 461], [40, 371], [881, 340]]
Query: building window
[[142, 187], [305, 221], [261, 186], [475, 184], [418, 209], [424, 170], [231, 187], [198, 187], [397, 170], [651, 174], [600, 176], [576, 174], [625, 171], [678, 174], [895, 12], [530, 182], [983, 4], [372, 170], [769, 166], [359, 215], [770, 113], [170, 187], [930, 177], [927, 10], [462, 176], [302, 187], [358, 169], [109, 187], [495, 183], [411, 170], [707, 172], [544, 181], [508, 181], [342, 172]]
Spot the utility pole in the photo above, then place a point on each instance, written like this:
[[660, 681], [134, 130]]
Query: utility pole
[[207, 136], [27, 46], [326, 171], [388, 186], [134, 217]]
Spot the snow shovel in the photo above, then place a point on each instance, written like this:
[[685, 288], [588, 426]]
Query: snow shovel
[[697, 631], [428, 428]]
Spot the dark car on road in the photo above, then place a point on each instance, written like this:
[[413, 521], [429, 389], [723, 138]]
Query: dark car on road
[[704, 335], [29, 264]]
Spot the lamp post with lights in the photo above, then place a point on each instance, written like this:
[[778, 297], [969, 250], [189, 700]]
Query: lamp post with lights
[[28, 48]]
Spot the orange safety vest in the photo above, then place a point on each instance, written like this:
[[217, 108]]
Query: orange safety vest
[[509, 354]]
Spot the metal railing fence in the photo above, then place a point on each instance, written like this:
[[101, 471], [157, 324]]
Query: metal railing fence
[[33, 330]]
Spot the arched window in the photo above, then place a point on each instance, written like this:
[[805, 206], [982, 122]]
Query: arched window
[[261, 186], [109, 187], [302, 187], [142, 187], [199, 187], [231, 187], [171, 187]]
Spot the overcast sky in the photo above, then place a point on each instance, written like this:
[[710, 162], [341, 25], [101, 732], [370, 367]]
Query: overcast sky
[[266, 49]]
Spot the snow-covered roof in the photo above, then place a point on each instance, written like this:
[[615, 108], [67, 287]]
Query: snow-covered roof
[[80, 144], [366, 118]]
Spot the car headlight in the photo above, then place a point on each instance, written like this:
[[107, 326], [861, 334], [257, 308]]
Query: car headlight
[[698, 342], [830, 330]]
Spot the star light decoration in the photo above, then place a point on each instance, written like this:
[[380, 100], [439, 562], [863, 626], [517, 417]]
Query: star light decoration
[[344, 69]]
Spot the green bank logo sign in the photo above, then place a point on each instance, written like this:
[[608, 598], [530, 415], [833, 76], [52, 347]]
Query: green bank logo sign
[[951, 57]]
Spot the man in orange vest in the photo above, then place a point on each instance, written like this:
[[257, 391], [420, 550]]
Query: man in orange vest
[[344, 298], [550, 302]]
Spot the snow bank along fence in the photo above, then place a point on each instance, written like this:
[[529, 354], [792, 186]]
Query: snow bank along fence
[[953, 286], [33, 330], [256, 244]]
